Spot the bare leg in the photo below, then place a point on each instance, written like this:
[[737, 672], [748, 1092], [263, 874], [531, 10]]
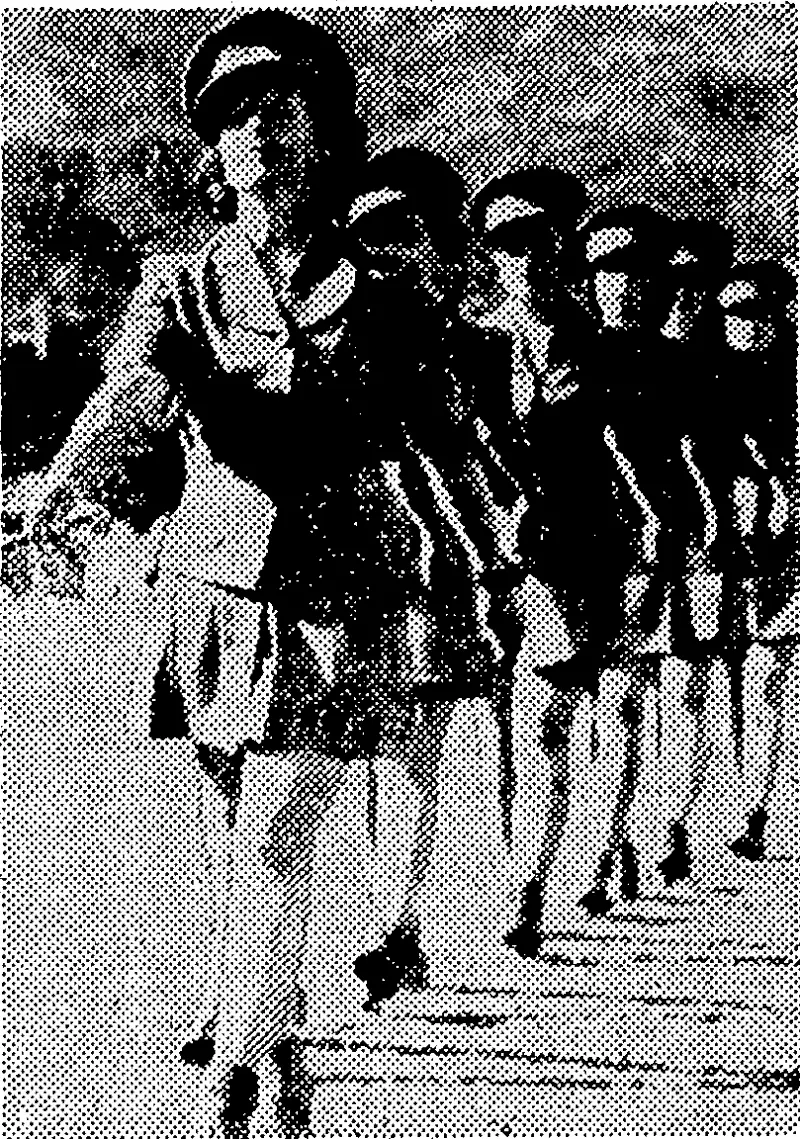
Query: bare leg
[[424, 756], [526, 937], [750, 845], [532, 609], [413, 769], [729, 643], [620, 849], [275, 803], [283, 801], [217, 802], [678, 863], [502, 705], [210, 665], [403, 770]]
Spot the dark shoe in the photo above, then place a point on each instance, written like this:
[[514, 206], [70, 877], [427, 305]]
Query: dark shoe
[[597, 902], [404, 948], [678, 864], [629, 872], [526, 937], [380, 974], [398, 963], [240, 1098], [751, 844], [199, 1053], [296, 1087]]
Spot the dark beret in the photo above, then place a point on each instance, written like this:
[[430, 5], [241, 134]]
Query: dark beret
[[425, 179], [632, 238], [700, 247], [561, 196], [266, 50], [773, 285], [431, 189]]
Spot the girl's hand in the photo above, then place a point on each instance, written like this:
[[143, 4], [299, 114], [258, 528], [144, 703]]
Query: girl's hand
[[47, 532]]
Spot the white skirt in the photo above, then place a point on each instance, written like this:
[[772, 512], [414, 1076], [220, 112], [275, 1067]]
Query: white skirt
[[216, 674]]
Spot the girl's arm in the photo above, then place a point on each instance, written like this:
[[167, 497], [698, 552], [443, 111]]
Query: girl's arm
[[126, 415]]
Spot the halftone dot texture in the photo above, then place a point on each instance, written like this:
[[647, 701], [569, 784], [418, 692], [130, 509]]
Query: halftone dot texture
[[643, 843]]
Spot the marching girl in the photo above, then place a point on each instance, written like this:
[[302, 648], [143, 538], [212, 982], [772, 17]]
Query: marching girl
[[760, 336], [233, 345], [697, 450], [573, 536], [287, 559], [418, 357], [741, 453], [621, 252]]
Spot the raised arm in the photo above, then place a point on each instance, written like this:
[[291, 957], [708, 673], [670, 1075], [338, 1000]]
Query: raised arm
[[134, 404]]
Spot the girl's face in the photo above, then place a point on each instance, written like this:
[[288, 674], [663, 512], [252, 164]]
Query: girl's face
[[616, 297], [682, 319], [397, 246], [511, 244], [754, 332], [512, 270], [748, 334], [619, 296], [269, 147]]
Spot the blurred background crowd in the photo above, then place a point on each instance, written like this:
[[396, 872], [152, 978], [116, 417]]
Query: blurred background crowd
[[68, 272]]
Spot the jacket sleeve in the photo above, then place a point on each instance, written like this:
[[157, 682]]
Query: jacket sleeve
[[134, 406]]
